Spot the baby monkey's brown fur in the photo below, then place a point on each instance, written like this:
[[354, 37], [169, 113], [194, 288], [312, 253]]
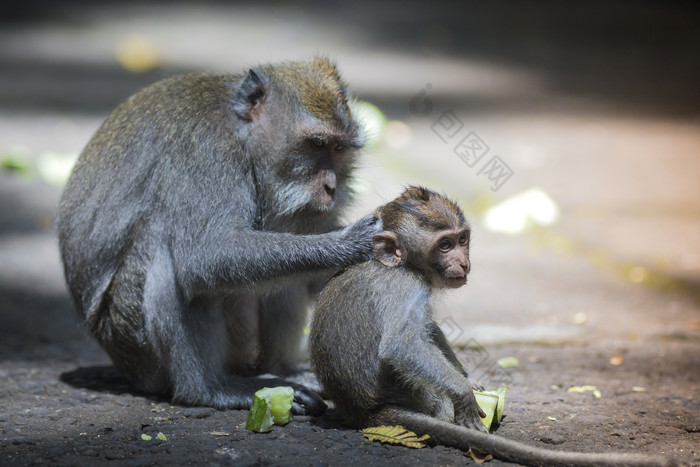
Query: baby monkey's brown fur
[[381, 357]]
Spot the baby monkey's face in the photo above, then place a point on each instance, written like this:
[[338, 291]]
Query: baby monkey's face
[[450, 258]]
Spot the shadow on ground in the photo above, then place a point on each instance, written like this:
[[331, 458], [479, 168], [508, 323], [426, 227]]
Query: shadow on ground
[[103, 378]]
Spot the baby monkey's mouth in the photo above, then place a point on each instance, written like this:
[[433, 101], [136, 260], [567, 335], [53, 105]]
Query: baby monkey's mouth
[[456, 281]]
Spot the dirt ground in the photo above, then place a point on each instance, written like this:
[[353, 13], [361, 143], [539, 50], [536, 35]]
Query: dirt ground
[[62, 403], [59, 412], [598, 108]]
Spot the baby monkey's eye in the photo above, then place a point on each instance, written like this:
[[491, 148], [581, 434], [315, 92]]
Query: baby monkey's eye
[[463, 239], [445, 244], [339, 147]]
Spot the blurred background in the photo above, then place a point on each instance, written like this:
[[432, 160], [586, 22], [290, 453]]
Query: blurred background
[[569, 134]]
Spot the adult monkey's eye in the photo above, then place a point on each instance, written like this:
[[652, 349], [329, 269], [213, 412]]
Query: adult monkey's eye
[[445, 244], [339, 147], [317, 143]]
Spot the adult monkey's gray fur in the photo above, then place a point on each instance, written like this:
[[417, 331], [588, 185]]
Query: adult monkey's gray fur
[[196, 218]]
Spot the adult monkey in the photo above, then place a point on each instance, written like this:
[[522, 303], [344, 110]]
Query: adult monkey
[[197, 216]]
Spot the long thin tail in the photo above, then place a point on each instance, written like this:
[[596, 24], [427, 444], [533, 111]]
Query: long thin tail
[[449, 434]]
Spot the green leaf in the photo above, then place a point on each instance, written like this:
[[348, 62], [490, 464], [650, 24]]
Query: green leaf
[[507, 362], [501, 392], [492, 403], [488, 403], [16, 159], [281, 404], [270, 406]]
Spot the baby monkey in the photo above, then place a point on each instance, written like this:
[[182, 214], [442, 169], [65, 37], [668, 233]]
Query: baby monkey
[[383, 360], [374, 343]]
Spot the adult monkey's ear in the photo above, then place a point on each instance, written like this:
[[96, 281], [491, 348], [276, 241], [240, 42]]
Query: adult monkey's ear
[[250, 97], [386, 249]]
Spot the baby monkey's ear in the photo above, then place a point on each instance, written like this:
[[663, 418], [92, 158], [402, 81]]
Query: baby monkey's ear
[[386, 249]]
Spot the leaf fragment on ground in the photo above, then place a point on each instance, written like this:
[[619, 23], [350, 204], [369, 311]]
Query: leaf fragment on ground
[[488, 404], [479, 456], [270, 405], [146, 437], [581, 389], [616, 361], [395, 435], [508, 362], [15, 164], [161, 436], [491, 402]]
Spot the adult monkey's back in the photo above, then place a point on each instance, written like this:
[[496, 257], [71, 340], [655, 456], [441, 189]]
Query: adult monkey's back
[[195, 219]]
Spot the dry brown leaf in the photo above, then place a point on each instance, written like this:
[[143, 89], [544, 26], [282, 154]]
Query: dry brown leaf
[[479, 456], [395, 435]]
